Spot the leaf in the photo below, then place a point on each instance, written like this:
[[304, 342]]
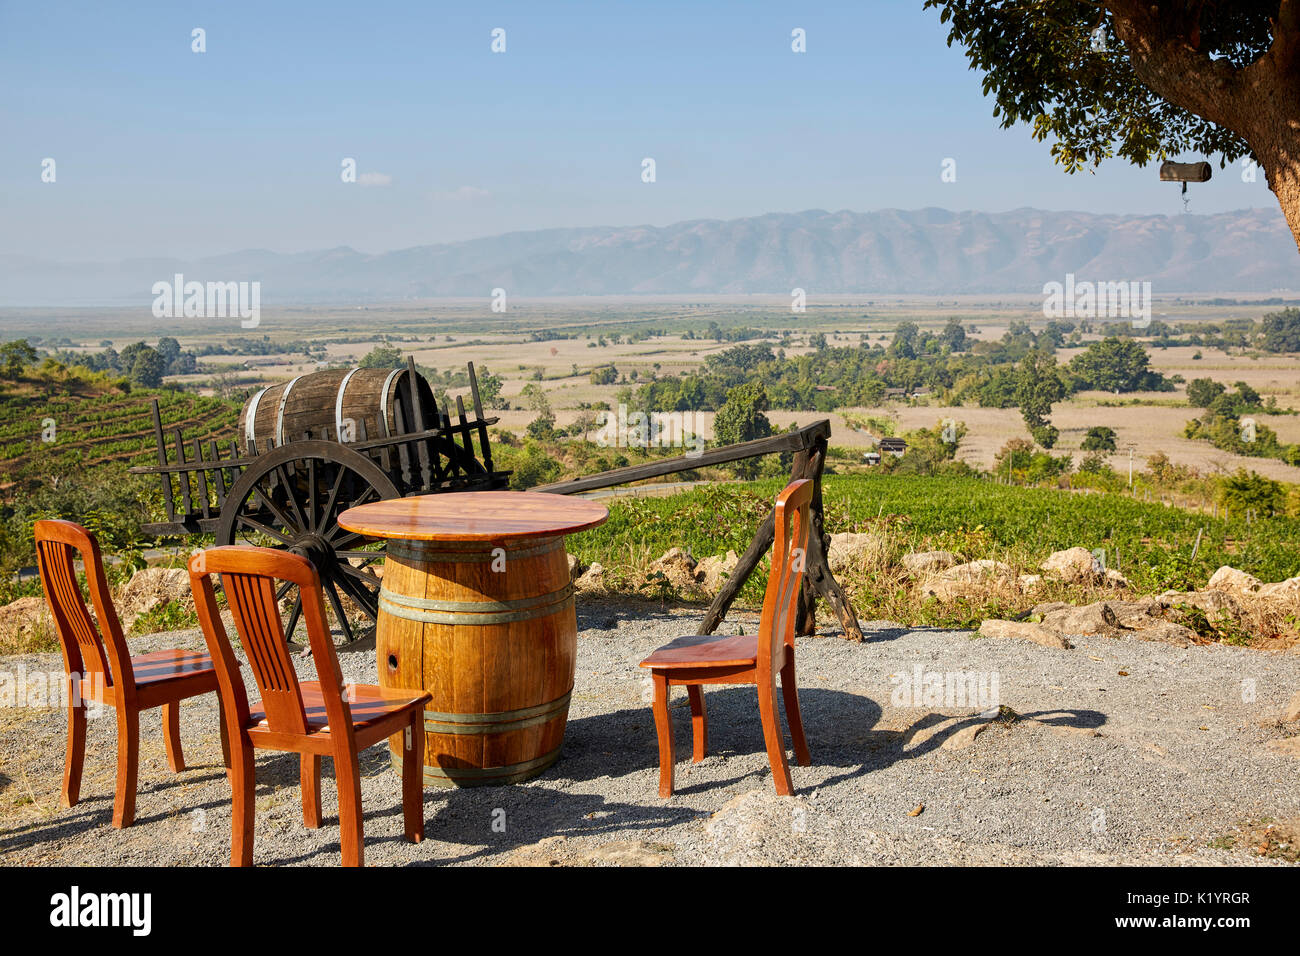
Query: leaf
[[916, 811]]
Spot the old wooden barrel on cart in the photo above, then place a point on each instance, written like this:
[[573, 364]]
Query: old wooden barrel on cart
[[348, 405], [476, 607]]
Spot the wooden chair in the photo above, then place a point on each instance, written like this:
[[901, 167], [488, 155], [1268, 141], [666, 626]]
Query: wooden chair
[[311, 718], [745, 659], [105, 671]]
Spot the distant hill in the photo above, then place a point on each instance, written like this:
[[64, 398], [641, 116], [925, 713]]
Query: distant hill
[[924, 251]]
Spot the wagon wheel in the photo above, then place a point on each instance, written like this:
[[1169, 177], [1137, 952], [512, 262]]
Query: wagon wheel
[[290, 498]]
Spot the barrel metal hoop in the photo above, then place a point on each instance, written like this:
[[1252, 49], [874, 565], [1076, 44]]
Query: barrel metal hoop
[[482, 776], [279, 417], [466, 612], [501, 722], [474, 552], [383, 401], [338, 404], [250, 432]]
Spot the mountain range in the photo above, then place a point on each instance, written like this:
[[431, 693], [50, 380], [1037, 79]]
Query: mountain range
[[889, 251]]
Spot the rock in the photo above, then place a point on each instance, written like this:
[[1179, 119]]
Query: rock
[[1166, 632], [1285, 594], [575, 567], [925, 562], [737, 831], [1213, 604], [25, 618], [711, 573], [1230, 579], [675, 565], [1074, 566], [964, 737], [849, 550], [981, 570], [1096, 618], [1292, 711], [1028, 582], [1115, 579], [152, 588], [1135, 613], [1042, 610], [1025, 630], [593, 579]]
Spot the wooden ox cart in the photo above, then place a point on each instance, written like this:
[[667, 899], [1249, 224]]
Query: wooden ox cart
[[312, 447]]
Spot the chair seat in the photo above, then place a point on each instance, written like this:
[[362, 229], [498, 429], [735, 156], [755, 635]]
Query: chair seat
[[706, 650], [157, 667], [369, 704]]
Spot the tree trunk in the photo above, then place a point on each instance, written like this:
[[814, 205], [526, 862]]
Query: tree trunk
[[1259, 102]]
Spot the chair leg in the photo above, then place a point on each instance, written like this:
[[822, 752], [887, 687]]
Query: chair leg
[[413, 778], [699, 723], [309, 776], [225, 734], [793, 716], [128, 766], [772, 737], [76, 755], [347, 772], [664, 728], [243, 790], [171, 718]]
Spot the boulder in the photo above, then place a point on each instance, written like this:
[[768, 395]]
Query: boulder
[[1074, 566], [1096, 618], [152, 588], [1213, 604], [575, 568], [593, 579], [1114, 579], [675, 565], [927, 562], [1028, 582], [1284, 595], [712, 572], [1025, 630], [1230, 579], [1141, 613], [850, 550]]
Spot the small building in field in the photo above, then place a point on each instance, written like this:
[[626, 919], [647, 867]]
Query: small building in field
[[892, 446]]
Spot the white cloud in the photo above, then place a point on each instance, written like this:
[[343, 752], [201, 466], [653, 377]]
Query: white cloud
[[375, 179], [462, 194]]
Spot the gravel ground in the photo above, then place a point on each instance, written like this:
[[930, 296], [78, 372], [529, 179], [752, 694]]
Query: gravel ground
[[1128, 753]]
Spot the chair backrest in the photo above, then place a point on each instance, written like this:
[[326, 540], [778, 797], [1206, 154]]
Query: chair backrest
[[95, 653], [789, 558], [249, 576]]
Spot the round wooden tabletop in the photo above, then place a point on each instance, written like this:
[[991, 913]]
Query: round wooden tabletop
[[474, 516]]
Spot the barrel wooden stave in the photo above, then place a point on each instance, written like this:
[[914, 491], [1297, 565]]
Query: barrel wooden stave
[[500, 687]]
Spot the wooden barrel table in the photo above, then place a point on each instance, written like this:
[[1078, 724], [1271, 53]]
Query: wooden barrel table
[[476, 607]]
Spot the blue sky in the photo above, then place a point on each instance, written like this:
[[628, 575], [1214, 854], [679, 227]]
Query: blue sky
[[163, 151]]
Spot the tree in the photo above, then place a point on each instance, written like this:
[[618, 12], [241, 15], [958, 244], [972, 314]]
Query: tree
[[954, 336], [1115, 365], [1145, 79], [169, 349], [382, 356], [1202, 391], [1281, 331], [1099, 438], [16, 356], [1244, 490], [489, 388], [741, 419], [1038, 386], [147, 368]]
